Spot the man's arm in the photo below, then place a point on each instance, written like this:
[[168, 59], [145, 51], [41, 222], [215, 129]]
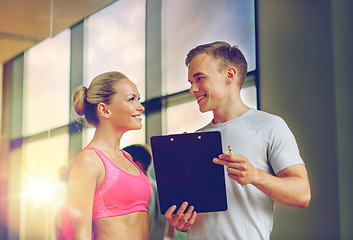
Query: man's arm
[[289, 187]]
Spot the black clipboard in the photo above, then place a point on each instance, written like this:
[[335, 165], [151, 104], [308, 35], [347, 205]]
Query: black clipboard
[[185, 172]]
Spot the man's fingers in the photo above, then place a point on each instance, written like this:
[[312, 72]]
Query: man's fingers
[[192, 219], [222, 162], [226, 156], [189, 212], [181, 210], [169, 212], [180, 220], [187, 215], [235, 171], [231, 158], [186, 226]]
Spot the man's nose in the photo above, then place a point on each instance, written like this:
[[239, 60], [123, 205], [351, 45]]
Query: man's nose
[[193, 88]]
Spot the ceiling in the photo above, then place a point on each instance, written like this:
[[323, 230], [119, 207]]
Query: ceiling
[[24, 23]]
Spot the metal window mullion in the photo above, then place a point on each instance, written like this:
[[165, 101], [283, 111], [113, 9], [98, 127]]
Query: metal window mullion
[[153, 65], [76, 79]]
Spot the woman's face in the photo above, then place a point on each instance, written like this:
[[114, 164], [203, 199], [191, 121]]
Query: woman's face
[[126, 109]]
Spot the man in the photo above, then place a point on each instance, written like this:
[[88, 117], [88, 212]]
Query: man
[[266, 166]]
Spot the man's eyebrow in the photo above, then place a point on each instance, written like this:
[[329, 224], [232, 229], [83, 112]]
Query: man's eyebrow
[[195, 75]]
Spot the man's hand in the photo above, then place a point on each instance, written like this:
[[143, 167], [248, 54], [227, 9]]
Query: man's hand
[[238, 168], [289, 187], [181, 221]]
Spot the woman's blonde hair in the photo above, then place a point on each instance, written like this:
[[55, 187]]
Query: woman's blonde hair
[[101, 90]]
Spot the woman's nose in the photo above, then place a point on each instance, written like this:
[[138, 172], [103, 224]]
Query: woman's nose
[[141, 107]]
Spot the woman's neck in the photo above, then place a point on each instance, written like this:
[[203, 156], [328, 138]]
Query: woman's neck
[[105, 138]]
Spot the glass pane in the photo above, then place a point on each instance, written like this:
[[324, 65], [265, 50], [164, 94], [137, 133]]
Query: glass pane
[[232, 21], [43, 191], [248, 95], [115, 41], [47, 84], [134, 137], [87, 135], [1, 95], [186, 118]]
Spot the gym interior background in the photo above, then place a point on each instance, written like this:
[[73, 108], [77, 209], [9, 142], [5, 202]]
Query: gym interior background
[[300, 67]]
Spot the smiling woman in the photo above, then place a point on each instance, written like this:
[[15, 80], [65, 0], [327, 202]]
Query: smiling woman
[[112, 105]]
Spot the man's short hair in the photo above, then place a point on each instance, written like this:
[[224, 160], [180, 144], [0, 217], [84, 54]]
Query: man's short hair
[[226, 56]]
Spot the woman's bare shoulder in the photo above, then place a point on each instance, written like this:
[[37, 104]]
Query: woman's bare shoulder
[[86, 159]]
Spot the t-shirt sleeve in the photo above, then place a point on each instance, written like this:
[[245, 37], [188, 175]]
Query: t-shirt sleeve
[[283, 150]]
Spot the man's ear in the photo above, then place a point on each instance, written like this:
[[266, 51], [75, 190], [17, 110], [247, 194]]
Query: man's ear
[[103, 110], [231, 72]]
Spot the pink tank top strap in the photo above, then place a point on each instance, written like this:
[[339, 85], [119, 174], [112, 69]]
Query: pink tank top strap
[[105, 158]]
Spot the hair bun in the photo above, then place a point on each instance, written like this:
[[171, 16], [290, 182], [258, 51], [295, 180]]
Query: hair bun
[[79, 99]]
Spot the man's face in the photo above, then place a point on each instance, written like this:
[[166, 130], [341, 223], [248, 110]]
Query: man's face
[[207, 83]]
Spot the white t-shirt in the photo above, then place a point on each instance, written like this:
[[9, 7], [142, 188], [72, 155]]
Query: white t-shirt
[[267, 142]]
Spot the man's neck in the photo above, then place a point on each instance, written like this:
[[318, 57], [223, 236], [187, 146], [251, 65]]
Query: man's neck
[[229, 113]]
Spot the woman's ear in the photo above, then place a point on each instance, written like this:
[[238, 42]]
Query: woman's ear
[[103, 110]]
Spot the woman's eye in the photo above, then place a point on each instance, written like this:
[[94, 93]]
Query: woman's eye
[[135, 99]]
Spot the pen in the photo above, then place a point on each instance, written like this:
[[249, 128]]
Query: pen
[[230, 150]]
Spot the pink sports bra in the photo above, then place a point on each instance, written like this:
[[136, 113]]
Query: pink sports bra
[[120, 193]]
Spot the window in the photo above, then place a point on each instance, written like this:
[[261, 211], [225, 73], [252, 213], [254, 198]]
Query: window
[[187, 24], [115, 41], [186, 118], [46, 85], [42, 189], [232, 21]]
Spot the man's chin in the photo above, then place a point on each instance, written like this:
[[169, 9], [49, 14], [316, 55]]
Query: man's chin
[[203, 109]]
